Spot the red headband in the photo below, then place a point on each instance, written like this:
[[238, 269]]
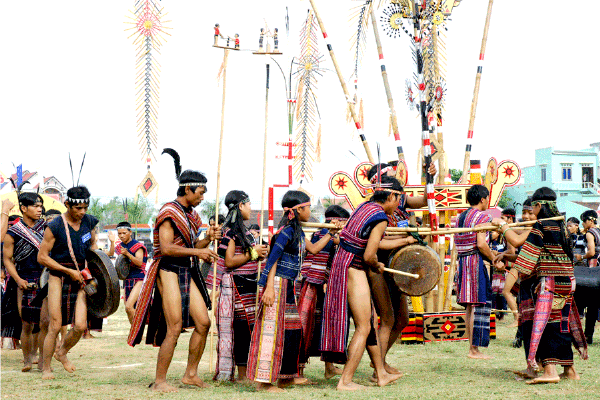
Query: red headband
[[291, 215]]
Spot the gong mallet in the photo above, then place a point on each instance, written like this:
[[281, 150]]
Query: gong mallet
[[393, 271]]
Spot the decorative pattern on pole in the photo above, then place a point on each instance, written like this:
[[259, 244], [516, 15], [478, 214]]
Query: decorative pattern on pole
[[344, 87], [465, 176]]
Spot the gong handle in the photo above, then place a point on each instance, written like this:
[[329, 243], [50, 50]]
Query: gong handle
[[393, 271]]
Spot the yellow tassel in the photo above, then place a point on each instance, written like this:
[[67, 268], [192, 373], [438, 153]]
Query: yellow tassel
[[318, 147], [299, 97]]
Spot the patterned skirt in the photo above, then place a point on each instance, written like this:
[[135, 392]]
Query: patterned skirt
[[30, 312], [128, 285], [310, 307], [474, 284], [276, 338]]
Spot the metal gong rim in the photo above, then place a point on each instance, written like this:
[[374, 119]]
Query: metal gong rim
[[123, 266], [106, 301], [416, 259]]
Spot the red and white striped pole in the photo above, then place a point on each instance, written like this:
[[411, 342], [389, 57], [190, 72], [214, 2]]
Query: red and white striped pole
[[465, 178], [349, 99], [270, 210]]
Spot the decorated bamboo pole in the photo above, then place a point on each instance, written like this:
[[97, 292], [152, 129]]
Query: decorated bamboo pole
[[388, 93], [215, 243], [262, 193], [465, 176], [344, 87], [451, 272]]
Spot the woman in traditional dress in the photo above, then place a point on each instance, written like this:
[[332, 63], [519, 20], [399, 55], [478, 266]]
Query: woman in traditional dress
[[549, 317], [237, 267], [275, 347]]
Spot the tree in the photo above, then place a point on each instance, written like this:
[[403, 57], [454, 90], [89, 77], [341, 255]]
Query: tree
[[207, 208], [455, 175], [506, 201], [329, 201], [117, 208]]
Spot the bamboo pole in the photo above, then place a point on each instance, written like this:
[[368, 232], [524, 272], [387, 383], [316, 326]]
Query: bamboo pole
[[451, 273], [390, 99], [215, 243], [344, 87], [262, 193], [447, 231], [466, 164]]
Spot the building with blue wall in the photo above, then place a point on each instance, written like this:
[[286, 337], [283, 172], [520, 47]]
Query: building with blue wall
[[573, 175]]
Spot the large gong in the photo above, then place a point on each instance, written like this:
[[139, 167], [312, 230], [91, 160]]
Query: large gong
[[123, 266], [106, 301], [420, 260]]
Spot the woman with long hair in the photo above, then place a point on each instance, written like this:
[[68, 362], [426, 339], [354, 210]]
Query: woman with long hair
[[275, 346], [546, 266], [237, 267]]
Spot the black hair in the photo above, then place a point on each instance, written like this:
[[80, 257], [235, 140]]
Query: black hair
[[124, 225], [374, 169], [335, 211], [221, 219], [476, 193], [234, 220], [564, 239], [544, 193], [575, 221], [527, 202], [254, 227], [187, 176], [589, 215], [380, 196], [510, 212], [78, 193], [53, 211], [290, 199], [27, 199]]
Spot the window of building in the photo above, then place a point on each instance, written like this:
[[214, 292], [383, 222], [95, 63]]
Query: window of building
[[567, 172], [563, 194], [543, 177]]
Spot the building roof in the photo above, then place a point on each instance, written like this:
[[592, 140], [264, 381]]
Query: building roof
[[574, 153], [591, 205]]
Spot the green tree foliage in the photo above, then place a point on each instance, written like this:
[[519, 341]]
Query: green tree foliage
[[455, 175], [506, 201], [114, 211], [207, 209]]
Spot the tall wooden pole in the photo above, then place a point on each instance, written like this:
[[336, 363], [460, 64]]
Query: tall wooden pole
[[344, 87], [466, 164], [216, 243], [264, 178], [390, 99]]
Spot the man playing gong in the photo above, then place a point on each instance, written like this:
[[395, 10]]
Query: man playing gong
[[63, 252], [136, 254], [174, 295]]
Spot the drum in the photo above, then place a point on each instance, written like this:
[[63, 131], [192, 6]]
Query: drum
[[108, 293], [123, 266], [420, 260]]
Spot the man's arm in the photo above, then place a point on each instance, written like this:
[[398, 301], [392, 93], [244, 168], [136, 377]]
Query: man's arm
[[591, 249], [137, 259], [7, 205], [483, 246], [166, 235], [370, 256], [7, 255], [111, 238], [94, 240]]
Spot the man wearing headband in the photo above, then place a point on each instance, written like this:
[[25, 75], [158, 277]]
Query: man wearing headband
[[174, 295], [63, 251], [137, 254], [20, 251]]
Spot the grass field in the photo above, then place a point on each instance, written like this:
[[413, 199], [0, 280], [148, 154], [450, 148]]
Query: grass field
[[107, 368]]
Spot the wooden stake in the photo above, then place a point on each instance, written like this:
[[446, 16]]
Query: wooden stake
[[390, 100], [466, 164], [215, 243], [262, 193], [355, 117], [451, 272]]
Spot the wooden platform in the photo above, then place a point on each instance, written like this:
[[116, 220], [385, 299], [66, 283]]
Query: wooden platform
[[226, 48]]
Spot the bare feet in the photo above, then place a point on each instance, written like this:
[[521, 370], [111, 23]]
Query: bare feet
[[64, 361], [283, 383], [269, 388], [195, 381], [331, 372], [526, 373], [478, 355], [46, 374], [26, 367], [88, 335], [570, 373], [162, 387], [387, 379], [543, 379], [350, 386], [391, 370], [35, 360]]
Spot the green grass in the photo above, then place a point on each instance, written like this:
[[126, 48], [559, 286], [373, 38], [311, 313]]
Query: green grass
[[107, 368]]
